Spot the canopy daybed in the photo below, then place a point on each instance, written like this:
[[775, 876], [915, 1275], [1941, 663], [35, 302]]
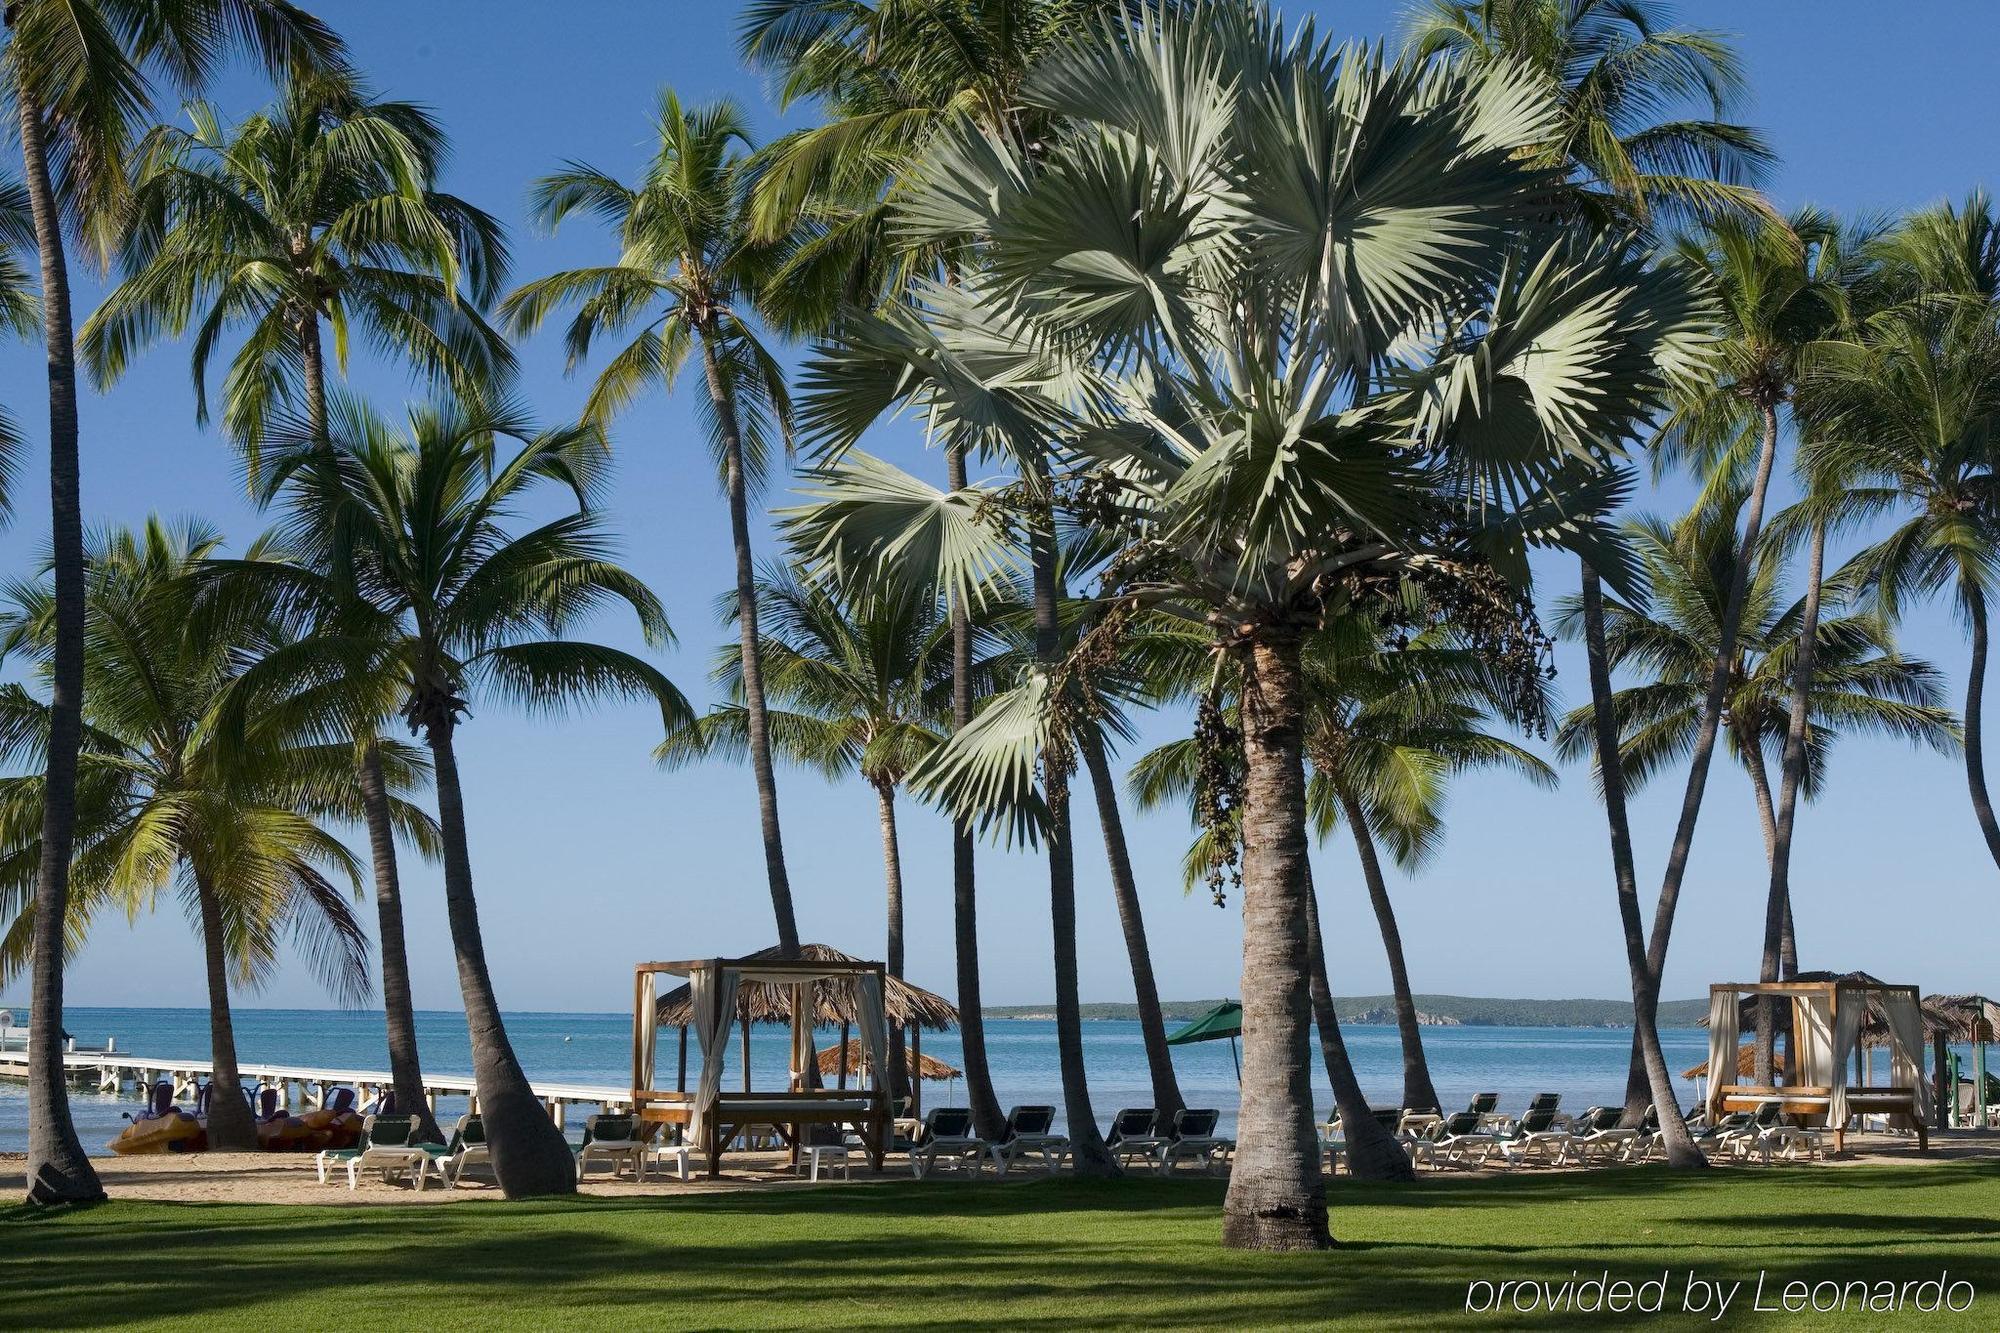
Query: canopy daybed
[[1825, 1028], [710, 1116]]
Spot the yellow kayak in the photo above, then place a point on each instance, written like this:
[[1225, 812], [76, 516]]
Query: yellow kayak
[[176, 1131]]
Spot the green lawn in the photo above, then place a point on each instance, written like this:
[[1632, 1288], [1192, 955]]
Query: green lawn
[[1054, 1254]]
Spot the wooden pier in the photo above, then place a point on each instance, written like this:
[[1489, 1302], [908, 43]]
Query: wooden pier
[[111, 1071]]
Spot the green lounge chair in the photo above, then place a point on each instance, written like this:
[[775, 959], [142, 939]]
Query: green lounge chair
[[948, 1143], [1030, 1130], [1134, 1136], [466, 1148]]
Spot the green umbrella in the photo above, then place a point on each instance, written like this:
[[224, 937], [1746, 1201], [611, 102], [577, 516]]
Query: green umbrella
[[1225, 1020]]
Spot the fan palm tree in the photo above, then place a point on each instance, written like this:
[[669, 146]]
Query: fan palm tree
[[857, 688], [1913, 431], [890, 77], [1165, 310], [1643, 103], [416, 536], [321, 210], [236, 824], [82, 75], [689, 276]]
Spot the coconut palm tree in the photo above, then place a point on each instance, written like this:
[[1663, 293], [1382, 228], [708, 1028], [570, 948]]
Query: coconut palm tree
[[235, 823], [890, 77], [1911, 433], [19, 314], [688, 275], [321, 210], [1165, 310], [444, 586], [857, 687], [1643, 123], [1861, 681], [82, 74]]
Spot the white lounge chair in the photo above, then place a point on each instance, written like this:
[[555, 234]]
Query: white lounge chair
[[1194, 1139], [1134, 1137], [613, 1139], [465, 1148], [949, 1144], [1536, 1135], [1030, 1133], [1454, 1139], [385, 1145]]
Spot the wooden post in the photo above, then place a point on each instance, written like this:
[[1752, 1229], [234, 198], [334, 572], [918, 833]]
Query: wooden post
[[681, 1081], [917, 1078], [843, 1055], [746, 1050]]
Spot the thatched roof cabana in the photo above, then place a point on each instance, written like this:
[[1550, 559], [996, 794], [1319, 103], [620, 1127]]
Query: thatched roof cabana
[[1964, 1019], [1746, 1063], [933, 1069], [834, 1001]]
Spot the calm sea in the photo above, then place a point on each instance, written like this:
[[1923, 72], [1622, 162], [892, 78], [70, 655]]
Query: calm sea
[[1585, 1065]]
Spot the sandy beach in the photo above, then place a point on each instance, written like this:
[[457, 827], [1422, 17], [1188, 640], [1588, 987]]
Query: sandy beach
[[286, 1178]]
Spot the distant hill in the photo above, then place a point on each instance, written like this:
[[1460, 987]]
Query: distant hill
[[1439, 1010]]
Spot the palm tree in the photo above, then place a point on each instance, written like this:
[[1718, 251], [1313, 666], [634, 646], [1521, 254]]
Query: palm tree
[[1643, 104], [857, 686], [1909, 425], [443, 590], [235, 823], [1389, 719], [81, 73], [322, 209], [689, 275], [1861, 682], [1157, 314], [892, 76], [18, 315]]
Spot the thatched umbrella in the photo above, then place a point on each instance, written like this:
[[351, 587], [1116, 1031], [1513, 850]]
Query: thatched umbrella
[[835, 1003], [1970, 1020], [1746, 1064], [852, 1058]]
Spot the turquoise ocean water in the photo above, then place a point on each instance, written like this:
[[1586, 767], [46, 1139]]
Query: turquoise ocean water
[[1585, 1065]]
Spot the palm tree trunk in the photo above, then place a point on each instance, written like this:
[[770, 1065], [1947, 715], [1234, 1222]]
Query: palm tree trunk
[[1702, 753], [1760, 787], [398, 1012], [57, 1169], [1372, 1151], [530, 1155], [1975, 725], [892, 873], [1125, 890], [737, 484], [1417, 1087], [1681, 1151], [1277, 1197], [231, 1126], [987, 1119], [1778, 905], [1092, 1158]]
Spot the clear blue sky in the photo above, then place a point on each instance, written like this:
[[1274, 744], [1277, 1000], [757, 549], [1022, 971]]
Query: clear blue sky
[[588, 858]]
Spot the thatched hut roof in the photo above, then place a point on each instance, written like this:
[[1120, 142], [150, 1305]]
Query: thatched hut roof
[[833, 999], [1964, 1018], [933, 1069]]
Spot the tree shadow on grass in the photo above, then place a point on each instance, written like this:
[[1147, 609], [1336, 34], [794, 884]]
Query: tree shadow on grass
[[1053, 1254]]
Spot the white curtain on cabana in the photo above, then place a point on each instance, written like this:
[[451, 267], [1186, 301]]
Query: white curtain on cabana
[[1723, 1022], [874, 1026], [712, 991], [802, 1025], [1906, 1050], [1814, 1057], [645, 1034], [1847, 1015]]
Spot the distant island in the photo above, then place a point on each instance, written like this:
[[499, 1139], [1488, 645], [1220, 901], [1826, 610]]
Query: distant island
[[1432, 1010]]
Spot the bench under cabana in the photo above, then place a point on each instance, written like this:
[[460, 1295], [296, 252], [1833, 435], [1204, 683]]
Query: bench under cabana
[[718, 989], [1825, 1027]]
